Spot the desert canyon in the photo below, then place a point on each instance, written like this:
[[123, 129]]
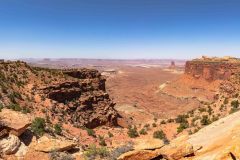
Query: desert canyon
[[63, 109]]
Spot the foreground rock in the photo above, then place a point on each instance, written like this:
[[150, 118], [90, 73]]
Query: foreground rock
[[139, 155], [220, 140], [177, 149], [9, 145], [46, 144], [14, 122], [148, 144]]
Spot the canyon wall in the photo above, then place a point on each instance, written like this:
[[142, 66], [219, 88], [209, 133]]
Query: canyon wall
[[212, 69]]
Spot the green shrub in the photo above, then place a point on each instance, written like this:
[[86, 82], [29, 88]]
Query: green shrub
[[202, 110], [235, 104], [182, 126], [132, 132], [38, 126], [233, 110], [225, 101], [91, 132], [143, 131], [1, 107], [26, 110], [181, 118], [110, 134], [58, 129], [60, 156], [154, 125], [163, 122], [92, 152], [205, 120], [210, 110], [14, 107], [102, 141], [160, 135]]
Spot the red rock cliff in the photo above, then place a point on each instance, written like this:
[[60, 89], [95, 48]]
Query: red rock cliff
[[212, 69]]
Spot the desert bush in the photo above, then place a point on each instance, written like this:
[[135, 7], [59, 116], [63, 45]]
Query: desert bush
[[170, 120], [154, 125], [1, 107], [38, 126], [214, 118], [222, 107], [202, 110], [235, 104], [92, 152], [90, 132], [163, 122], [181, 118], [132, 132], [205, 120], [102, 141], [60, 156], [58, 129], [119, 151], [25, 110], [143, 131], [14, 107], [160, 135], [182, 126], [210, 110], [233, 110], [225, 101], [110, 134]]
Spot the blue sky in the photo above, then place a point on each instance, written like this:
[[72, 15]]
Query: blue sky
[[119, 28]]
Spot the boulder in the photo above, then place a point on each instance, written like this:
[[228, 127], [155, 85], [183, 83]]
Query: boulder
[[47, 145], [15, 122], [148, 144], [138, 155], [9, 145]]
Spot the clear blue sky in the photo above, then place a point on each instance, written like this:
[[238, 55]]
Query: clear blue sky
[[119, 28]]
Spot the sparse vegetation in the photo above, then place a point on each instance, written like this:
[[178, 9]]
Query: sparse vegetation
[[38, 126], [154, 125], [132, 132], [60, 156], [110, 134], [205, 120], [92, 152], [58, 129], [160, 135], [182, 126], [90, 132], [143, 131], [102, 141]]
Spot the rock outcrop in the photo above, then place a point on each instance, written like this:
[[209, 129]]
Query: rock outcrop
[[10, 144], [14, 122], [73, 96], [85, 98], [49, 145], [212, 68]]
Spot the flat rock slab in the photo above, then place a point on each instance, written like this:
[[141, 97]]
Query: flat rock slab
[[15, 122], [148, 144], [47, 145]]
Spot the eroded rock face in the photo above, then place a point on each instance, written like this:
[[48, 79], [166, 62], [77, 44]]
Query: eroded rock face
[[212, 69], [86, 102]]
